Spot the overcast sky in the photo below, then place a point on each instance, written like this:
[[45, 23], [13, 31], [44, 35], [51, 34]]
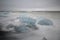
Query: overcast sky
[[29, 4]]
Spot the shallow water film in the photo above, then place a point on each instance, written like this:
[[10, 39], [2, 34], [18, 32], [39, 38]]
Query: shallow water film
[[30, 25]]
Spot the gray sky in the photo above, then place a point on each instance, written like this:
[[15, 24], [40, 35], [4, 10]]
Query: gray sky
[[18, 5]]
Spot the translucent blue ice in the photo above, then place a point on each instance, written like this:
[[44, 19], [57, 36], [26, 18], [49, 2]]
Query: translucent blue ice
[[27, 20], [44, 21]]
